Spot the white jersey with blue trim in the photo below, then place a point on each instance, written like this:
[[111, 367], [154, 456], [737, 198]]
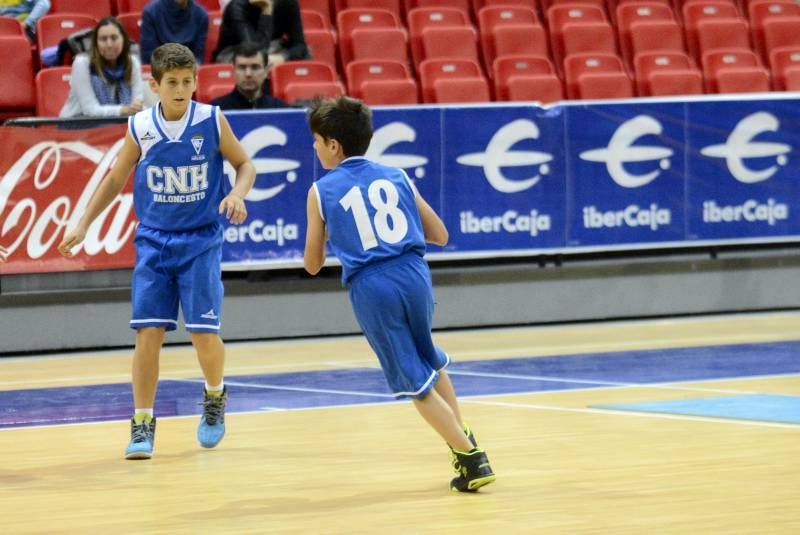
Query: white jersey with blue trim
[[179, 181], [371, 213]]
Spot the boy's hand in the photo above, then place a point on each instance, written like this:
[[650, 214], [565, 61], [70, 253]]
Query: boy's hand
[[3, 254], [72, 239], [234, 208]]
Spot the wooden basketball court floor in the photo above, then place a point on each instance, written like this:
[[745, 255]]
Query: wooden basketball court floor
[[315, 445]]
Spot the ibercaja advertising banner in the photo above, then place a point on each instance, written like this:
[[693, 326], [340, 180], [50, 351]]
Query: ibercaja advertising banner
[[507, 179]]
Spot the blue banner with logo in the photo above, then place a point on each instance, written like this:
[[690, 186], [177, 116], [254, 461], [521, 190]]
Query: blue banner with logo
[[517, 179]]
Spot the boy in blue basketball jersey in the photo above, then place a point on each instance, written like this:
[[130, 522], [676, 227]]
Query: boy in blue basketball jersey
[[177, 148], [377, 224]]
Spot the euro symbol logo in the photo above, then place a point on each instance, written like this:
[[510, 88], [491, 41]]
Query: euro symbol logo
[[498, 154], [620, 150], [740, 146], [253, 142], [387, 136]]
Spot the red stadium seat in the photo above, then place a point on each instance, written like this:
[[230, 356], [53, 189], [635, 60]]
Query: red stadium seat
[[299, 72], [208, 5], [216, 74], [461, 90], [10, 27], [731, 70], [655, 35], [450, 42], [131, 6], [304, 91], [423, 17], [379, 43], [431, 70], [667, 73], [322, 44], [212, 37], [50, 29], [463, 5], [628, 14], [526, 78], [349, 20], [390, 92], [779, 33], [704, 10], [52, 90], [314, 20], [792, 79], [95, 8], [562, 20], [727, 33], [762, 10], [510, 30], [16, 77], [395, 6], [596, 76], [322, 7], [362, 71], [132, 22], [783, 62]]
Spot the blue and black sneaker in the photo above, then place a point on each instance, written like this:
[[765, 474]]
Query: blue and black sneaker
[[143, 435], [212, 423]]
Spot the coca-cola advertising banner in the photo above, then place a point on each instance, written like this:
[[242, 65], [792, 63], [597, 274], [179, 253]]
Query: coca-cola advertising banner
[[48, 176], [507, 179]]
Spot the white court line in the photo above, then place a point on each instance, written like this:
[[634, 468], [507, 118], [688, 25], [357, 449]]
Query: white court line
[[633, 413], [264, 386]]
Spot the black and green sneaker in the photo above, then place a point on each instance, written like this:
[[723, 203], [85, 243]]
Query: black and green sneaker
[[453, 458], [474, 471]]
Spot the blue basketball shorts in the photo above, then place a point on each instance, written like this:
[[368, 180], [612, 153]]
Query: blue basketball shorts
[[393, 303], [178, 267]]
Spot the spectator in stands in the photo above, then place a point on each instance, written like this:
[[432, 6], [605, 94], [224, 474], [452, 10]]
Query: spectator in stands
[[274, 24], [25, 11], [252, 84], [107, 80], [174, 21]]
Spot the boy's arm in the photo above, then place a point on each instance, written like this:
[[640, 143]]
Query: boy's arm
[[432, 225], [314, 254], [233, 205], [109, 188]]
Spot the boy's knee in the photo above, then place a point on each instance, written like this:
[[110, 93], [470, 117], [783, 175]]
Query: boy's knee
[[205, 340]]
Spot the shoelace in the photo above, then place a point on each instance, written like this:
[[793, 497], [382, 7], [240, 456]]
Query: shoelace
[[140, 432], [213, 408]]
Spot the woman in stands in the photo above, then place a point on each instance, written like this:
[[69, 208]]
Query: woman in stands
[[106, 81]]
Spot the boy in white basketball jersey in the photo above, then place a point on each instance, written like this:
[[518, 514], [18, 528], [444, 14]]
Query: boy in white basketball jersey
[[177, 149]]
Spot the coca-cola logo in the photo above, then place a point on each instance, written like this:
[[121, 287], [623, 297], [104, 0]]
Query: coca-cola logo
[[45, 192]]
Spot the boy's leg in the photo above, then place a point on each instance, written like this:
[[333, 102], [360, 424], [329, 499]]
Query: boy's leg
[[145, 366], [211, 355], [444, 387], [440, 416], [145, 381]]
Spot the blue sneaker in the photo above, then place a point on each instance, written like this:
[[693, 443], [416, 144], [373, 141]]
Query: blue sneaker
[[143, 436], [212, 423]]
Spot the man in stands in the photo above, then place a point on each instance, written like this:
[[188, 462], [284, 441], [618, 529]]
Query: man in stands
[[252, 86]]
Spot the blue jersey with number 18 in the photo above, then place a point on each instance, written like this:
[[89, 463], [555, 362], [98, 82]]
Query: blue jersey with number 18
[[371, 214]]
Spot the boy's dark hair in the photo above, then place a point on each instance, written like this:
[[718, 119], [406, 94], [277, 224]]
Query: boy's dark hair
[[248, 49], [345, 119], [171, 56]]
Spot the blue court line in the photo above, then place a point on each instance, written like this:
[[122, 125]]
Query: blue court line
[[353, 386], [761, 407]]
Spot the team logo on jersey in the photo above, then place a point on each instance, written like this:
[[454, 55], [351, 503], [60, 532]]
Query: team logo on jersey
[[197, 143], [498, 154], [148, 136], [740, 146], [620, 150], [210, 315], [389, 135]]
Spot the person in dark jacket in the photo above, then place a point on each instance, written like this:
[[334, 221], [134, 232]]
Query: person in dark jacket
[[252, 86], [275, 24], [174, 21]]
